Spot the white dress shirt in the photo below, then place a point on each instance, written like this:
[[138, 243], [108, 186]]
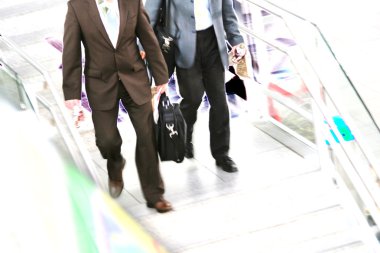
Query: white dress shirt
[[110, 15], [202, 14]]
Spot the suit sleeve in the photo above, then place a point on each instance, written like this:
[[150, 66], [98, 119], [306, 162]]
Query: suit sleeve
[[148, 39], [231, 24], [71, 56]]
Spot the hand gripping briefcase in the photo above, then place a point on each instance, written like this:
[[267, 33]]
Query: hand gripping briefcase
[[170, 130]]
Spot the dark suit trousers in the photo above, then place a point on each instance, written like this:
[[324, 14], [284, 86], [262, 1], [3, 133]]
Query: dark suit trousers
[[109, 142], [206, 75]]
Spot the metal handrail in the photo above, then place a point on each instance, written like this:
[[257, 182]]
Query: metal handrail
[[322, 109], [283, 12], [268, 6], [88, 166]]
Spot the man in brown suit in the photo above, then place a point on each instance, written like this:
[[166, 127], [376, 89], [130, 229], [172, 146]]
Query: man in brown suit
[[114, 70]]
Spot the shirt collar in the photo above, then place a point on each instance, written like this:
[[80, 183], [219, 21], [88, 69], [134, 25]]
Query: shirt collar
[[105, 6]]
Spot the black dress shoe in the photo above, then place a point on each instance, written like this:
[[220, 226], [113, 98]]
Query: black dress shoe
[[115, 186], [161, 206], [189, 150], [226, 164]]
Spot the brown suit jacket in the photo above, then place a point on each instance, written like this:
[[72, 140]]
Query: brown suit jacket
[[104, 64]]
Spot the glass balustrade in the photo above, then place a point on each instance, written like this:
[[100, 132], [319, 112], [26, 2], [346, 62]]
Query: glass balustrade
[[27, 86], [309, 94], [12, 92]]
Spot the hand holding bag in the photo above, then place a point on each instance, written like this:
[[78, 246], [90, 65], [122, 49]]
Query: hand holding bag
[[170, 131], [166, 41]]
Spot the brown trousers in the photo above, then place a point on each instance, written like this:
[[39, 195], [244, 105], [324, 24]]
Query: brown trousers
[[109, 142]]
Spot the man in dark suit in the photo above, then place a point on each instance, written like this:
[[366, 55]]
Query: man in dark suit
[[200, 29], [114, 70]]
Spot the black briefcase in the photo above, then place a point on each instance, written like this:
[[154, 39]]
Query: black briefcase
[[170, 131]]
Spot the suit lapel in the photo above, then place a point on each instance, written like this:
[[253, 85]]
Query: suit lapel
[[95, 16], [123, 10]]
